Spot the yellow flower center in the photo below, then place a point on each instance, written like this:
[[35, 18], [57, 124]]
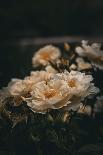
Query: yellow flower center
[[45, 56], [50, 93], [72, 83]]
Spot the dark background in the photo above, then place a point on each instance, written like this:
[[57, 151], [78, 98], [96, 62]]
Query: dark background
[[23, 21], [30, 18]]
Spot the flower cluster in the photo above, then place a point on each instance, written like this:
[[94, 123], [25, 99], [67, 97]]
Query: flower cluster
[[63, 89], [50, 89]]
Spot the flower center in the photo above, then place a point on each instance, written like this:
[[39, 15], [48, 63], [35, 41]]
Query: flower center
[[45, 56], [50, 93], [72, 83]]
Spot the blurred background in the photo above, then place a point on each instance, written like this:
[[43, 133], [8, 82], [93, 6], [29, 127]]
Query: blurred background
[[27, 24], [33, 18]]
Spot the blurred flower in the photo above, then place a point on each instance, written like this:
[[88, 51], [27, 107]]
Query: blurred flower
[[16, 86], [51, 95], [46, 54], [66, 46], [93, 53], [82, 65]]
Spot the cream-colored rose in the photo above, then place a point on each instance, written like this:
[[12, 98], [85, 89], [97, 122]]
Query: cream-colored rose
[[18, 87], [51, 95], [79, 83], [46, 54], [93, 53]]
